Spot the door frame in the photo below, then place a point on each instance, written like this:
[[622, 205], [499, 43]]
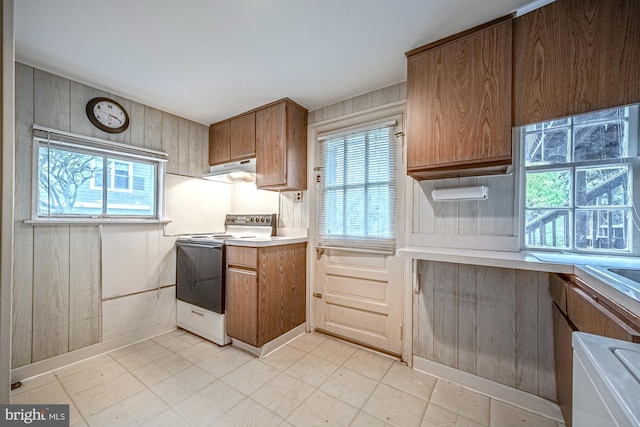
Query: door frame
[[402, 225]]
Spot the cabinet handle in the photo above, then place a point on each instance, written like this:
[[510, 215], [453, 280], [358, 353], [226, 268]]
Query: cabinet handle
[[243, 271], [197, 314], [317, 295]]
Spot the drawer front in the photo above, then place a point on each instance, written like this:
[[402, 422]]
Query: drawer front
[[202, 322], [591, 317], [242, 256]]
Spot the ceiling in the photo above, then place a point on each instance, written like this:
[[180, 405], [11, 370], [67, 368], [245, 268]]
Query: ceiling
[[207, 60]]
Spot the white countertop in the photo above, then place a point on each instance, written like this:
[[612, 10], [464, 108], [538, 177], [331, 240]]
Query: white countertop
[[267, 241], [519, 260], [541, 261]]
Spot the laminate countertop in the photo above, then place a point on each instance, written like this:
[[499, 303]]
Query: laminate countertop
[[258, 242], [592, 269]]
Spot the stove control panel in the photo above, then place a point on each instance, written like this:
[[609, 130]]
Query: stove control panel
[[260, 220]]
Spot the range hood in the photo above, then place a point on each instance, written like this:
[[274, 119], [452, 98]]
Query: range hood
[[239, 171]]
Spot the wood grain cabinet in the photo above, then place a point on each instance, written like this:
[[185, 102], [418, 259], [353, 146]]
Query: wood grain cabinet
[[233, 139], [219, 143], [265, 291], [577, 307], [281, 146], [242, 137], [459, 104], [275, 134], [575, 56]]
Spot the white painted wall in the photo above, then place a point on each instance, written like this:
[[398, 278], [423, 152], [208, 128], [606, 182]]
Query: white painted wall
[[247, 199], [195, 205]]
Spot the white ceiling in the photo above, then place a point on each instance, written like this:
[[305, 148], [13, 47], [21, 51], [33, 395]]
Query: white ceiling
[[207, 60]]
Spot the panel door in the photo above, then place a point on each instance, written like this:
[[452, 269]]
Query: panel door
[[360, 297], [219, 135], [563, 351], [271, 149], [458, 102], [243, 137], [242, 305]]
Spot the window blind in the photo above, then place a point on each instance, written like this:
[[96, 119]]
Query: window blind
[[357, 192]]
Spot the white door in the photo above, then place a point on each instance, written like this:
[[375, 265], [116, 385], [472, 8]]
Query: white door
[[358, 296], [357, 288]]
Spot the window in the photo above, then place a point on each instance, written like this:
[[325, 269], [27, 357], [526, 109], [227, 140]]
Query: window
[[119, 176], [578, 182], [357, 195], [95, 179]]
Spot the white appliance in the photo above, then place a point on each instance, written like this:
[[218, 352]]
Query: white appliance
[[606, 382], [200, 271]]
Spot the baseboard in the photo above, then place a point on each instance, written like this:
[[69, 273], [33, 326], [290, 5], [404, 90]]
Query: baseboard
[[272, 345], [38, 368], [490, 388]]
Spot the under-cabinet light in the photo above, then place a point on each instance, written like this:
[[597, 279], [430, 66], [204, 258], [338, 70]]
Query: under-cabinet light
[[478, 192]]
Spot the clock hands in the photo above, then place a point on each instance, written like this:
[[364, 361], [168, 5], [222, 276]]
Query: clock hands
[[108, 114]]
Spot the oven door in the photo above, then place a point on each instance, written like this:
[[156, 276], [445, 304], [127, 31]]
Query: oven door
[[200, 275]]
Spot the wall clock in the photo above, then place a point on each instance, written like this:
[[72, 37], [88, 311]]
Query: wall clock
[[107, 115]]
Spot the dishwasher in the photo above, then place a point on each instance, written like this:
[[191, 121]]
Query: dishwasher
[[606, 382]]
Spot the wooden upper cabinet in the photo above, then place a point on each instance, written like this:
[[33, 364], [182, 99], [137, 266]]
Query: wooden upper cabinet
[[575, 56], [459, 104], [275, 134], [233, 139], [243, 137], [281, 146], [219, 142]]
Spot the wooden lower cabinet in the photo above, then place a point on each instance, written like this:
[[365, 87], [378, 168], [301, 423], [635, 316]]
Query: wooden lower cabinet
[[577, 307], [242, 305], [563, 352], [265, 291]]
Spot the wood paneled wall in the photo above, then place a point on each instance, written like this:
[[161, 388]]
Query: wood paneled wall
[[360, 103], [57, 272], [481, 224], [491, 322]]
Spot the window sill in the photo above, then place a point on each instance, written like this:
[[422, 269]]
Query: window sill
[[94, 221]]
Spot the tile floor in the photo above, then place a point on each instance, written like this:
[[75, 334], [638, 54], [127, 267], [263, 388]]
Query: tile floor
[[179, 379]]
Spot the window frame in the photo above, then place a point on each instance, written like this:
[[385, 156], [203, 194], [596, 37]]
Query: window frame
[[363, 243], [112, 175], [630, 159], [107, 151]]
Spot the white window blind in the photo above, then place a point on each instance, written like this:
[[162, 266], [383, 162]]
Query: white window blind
[[357, 192]]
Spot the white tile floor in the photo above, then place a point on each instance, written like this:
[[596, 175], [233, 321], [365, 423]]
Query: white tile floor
[[179, 379]]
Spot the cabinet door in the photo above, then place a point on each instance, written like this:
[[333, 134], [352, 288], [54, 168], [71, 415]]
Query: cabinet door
[[575, 56], [219, 134], [589, 316], [243, 137], [242, 305], [459, 104], [282, 277], [271, 146], [563, 351]]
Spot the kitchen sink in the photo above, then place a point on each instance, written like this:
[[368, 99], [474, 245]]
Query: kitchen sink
[[625, 280], [629, 273]]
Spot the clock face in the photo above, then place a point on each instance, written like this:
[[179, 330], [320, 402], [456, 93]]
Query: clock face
[[107, 115]]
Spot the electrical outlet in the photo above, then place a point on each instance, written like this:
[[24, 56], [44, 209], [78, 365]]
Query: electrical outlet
[[297, 196]]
